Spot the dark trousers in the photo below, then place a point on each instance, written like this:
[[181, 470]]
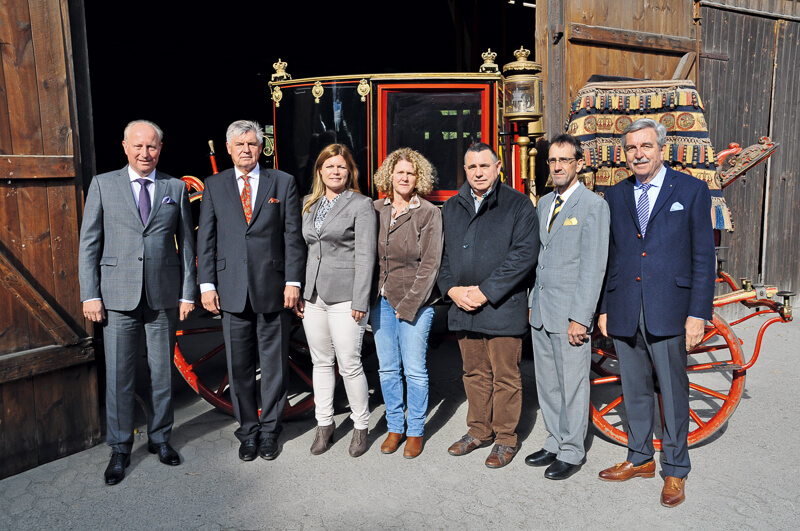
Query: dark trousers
[[638, 357], [252, 340], [122, 337], [493, 385]]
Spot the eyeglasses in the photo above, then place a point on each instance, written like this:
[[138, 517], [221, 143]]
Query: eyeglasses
[[560, 160]]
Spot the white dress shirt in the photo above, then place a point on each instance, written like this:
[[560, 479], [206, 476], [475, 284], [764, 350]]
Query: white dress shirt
[[564, 197]]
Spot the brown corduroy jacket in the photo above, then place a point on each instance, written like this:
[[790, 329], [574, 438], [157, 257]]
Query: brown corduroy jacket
[[409, 256]]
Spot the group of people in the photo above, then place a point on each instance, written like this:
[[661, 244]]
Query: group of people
[[639, 265]]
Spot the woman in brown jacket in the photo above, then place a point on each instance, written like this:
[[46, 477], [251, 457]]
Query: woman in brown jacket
[[409, 255]]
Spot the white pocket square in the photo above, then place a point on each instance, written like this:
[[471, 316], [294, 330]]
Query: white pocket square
[[675, 206], [167, 201]]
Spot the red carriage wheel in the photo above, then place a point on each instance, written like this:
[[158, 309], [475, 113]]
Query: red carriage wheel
[[716, 383], [200, 358]]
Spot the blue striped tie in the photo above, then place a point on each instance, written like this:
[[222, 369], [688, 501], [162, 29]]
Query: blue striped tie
[[643, 208]]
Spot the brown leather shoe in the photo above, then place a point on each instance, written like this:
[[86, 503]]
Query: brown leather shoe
[[413, 447], [625, 471], [466, 444], [673, 493], [358, 444], [391, 443], [501, 456], [323, 439]]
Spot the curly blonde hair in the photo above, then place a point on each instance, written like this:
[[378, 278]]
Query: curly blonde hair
[[426, 173]]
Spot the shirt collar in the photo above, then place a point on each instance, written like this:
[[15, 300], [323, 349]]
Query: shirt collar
[[132, 175], [254, 173], [569, 191], [657, 181], [413, 203]]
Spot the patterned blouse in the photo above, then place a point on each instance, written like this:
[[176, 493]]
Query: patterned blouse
[[325, 206]]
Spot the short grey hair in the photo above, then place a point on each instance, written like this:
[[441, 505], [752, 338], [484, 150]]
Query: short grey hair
[[156, 128], [242, 127], [477, 148], [646, 123]]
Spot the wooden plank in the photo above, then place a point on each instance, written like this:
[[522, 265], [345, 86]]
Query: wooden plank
[[558, 104], [43, 360], [20, 78], [47, 34], [784, 12], [37, 166], [80, 398], [5, 126], [18, 436], [684, 66], [638, 40], [14, 333], [35, 303], [63, 210], [50, 414]]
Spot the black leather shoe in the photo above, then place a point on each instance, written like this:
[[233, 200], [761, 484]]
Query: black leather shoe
[[268, 449], [115, 471], [540, 458], [560, 470], [248, 449], [166, 453]]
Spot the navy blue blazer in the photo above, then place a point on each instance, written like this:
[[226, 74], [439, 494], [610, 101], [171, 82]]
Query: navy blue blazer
[[671, 270]]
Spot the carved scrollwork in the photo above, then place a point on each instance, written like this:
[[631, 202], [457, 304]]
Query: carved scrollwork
[[363, 89], [736, 165], [277, 95], [317, 91]]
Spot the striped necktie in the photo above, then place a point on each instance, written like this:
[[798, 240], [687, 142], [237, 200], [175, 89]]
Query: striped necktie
[[643, 208], [248, 209], [556, 210]]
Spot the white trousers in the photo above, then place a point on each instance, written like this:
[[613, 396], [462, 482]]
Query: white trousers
[[333, 335]]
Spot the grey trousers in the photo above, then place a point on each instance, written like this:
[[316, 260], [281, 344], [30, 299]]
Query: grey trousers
[[122, 335]]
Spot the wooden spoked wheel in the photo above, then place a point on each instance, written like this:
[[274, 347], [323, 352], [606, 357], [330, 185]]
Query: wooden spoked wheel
[[716, 383], [200, 358]]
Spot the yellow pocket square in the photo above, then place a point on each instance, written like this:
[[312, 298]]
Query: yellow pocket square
[[570, 221]]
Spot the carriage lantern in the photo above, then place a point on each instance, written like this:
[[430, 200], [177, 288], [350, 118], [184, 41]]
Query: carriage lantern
[[522, 103]]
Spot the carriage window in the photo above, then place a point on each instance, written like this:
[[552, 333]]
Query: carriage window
[[439, 124]]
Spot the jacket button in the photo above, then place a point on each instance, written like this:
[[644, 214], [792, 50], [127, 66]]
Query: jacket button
[[644, 254], [541, 267], [245, 261], [140, 258], [247, 237], [545, 247], [541, 288], [466, 245], [318, 258], [638, 279]]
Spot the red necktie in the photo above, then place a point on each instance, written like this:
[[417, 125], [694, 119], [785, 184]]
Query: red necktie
[[248, 210]]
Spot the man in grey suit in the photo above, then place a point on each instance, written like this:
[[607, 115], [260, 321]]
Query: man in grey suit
[[134, 279], [573, 235], [250, 261]]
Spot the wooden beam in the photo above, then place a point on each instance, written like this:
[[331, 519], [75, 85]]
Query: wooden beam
[[638, 40], [37, 166], [684, 66], [43, 360], [33, 301]]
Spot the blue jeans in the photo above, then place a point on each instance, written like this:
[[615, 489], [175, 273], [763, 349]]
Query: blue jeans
[[402, 347]]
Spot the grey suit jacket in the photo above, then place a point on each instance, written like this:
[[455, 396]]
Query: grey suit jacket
[[572, 261], [341, 259], [250, 260], [117, 252]]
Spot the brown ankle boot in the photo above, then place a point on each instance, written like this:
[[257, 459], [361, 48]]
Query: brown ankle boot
[[359, 443], [323, 439]]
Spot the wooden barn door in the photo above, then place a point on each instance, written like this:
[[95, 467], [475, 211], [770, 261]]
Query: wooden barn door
[[748, 78], [48, 381]]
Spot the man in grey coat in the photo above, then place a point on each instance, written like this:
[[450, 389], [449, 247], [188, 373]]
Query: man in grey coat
[[573, 235], [490, 243], [135, 279]]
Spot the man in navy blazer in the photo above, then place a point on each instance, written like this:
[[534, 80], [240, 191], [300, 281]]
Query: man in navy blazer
[[659, 292], [250, 262]]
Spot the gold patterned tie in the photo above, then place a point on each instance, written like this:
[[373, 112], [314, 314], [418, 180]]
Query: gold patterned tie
[[556, 210], [248, 210]]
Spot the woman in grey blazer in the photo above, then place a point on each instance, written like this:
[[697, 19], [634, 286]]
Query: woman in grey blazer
[[409, 252], [340, 229]]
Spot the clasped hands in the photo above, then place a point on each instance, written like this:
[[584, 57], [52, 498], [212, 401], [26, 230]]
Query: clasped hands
[[468, 298]]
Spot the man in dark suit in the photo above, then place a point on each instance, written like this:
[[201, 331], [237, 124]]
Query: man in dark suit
[[491, 240], [659, 292], [251, 260], [132, 273]]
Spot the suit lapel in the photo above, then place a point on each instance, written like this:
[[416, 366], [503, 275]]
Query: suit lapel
[[335, 209], [158, 196], [543, 209], [265, 185], [667, 188], [566, 210], [627, 193], [126, 192], [232, 187]]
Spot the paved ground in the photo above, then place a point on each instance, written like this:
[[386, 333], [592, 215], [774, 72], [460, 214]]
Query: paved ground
[[746, 477]]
